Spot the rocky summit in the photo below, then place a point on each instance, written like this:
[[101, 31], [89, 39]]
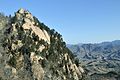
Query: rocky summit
[[29, 50]]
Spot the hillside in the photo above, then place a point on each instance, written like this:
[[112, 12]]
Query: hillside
[[100, 60], [30, 50]]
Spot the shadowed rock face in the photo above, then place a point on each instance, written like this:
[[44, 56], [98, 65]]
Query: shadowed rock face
[[32, 51]]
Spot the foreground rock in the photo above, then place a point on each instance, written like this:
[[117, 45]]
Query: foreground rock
[[31, 51]]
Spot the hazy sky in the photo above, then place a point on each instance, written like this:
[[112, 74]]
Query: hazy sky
[[79, 21]]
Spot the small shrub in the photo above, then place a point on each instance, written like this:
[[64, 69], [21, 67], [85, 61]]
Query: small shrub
[[12, 62]]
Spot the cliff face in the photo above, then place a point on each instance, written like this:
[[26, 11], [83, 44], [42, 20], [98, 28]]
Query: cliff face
[[31, 51]]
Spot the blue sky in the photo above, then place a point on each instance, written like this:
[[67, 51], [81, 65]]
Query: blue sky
[[79, 21]]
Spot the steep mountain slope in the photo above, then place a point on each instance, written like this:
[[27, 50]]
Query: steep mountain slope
[[3, 20], [99, 59], [31, 51]]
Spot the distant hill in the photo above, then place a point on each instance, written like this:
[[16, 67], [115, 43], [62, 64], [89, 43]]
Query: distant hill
[[100, 58]]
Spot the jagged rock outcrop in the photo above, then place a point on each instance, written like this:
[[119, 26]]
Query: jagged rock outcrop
[[31, 51]]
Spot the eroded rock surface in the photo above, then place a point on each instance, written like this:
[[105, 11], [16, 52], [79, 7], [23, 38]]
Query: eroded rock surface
[[32, 51]]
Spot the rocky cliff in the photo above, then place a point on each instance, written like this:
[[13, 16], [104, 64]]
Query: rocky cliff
[[29, 50]]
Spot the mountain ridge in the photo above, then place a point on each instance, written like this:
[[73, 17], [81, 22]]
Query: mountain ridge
[[99, 59], [114, 41], [30, 50]]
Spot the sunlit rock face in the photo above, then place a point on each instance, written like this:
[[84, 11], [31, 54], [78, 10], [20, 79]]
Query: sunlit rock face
[[29, 50]]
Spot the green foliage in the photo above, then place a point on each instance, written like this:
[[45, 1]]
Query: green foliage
[[13, 19], [52, 31], [44, 63], [1, 78], [45, 27], [35, 37], [3, 21], [21, 34], [12, 62], [77, 61]]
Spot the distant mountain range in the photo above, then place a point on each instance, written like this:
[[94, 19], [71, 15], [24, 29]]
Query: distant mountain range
[[100, 58]]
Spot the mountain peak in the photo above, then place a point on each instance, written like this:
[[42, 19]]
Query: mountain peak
[[23, 13], [26, 21], [32, 51], [21, 10]]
